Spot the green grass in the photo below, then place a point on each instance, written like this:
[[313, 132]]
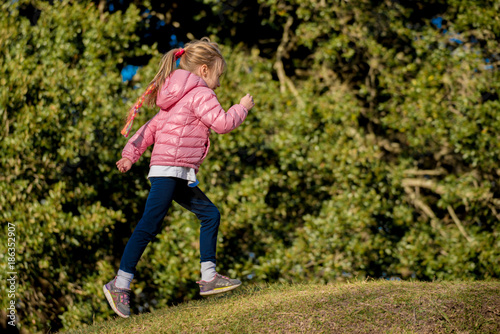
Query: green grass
[[359, 307]]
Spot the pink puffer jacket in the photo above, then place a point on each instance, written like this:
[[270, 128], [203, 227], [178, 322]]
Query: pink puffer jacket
[[180, 130]]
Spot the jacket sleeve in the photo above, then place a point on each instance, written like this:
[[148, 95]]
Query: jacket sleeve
[[208, 109], [140, 141]]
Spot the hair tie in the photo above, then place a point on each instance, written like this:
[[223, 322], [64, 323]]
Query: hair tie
[[179, 53]]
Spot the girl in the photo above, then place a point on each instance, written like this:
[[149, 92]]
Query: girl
[[180, 131]]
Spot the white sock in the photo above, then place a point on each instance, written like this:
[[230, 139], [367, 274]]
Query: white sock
[[123, 279], [207, 271]]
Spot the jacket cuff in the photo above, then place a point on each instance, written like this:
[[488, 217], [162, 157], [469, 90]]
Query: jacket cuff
[[128, 155]]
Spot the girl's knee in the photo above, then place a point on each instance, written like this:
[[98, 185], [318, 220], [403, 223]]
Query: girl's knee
[[216, 215]]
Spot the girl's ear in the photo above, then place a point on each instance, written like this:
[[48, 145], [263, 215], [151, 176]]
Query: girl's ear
[[203, 70]]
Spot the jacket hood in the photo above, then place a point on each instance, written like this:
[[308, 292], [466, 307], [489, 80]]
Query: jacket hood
[[178, 84]]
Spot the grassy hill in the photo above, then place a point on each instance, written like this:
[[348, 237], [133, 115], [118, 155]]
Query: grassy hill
[[360, 307]]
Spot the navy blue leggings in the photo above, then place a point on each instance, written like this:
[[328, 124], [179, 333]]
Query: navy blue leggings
[[163, 191]]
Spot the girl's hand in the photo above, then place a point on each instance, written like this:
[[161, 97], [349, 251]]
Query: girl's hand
[[124, 165], [247, 101]]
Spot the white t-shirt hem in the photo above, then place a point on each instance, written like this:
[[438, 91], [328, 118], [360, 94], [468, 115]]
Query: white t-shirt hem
[[185, 173]]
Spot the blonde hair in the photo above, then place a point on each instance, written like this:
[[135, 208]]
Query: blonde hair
[[194, 54]]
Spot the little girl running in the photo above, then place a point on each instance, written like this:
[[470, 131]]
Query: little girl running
[[180, 131]]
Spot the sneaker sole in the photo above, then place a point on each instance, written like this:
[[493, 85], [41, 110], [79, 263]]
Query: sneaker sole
[[219, 290], [111, 302]]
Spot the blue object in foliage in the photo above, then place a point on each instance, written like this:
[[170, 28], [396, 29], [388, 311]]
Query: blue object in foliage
[[128, 72], [456, 39], [174, 43], [488, 67], [160, 24], [438, 22]]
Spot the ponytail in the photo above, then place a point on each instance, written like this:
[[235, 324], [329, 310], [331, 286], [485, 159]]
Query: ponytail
[[167, 66]]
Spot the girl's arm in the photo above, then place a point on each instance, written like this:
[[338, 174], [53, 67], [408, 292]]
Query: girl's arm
[[211, 113], [140, 141]]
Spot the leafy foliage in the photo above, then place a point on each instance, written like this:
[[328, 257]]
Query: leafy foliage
[[60, 96], [372, 151]]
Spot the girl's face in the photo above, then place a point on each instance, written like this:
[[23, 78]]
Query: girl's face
[[211, 77]]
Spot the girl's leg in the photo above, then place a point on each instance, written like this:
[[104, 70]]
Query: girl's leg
[[158, 202], [197, 202]]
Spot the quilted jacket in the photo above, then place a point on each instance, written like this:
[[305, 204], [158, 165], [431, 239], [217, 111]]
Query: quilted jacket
[[180, 130]]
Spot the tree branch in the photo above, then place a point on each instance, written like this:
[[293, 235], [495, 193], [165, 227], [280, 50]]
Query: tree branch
[[441, 190], [433, 172], [423, 183], [458, 223], [278, 65], [100, 7], [425, 209], [494, 211]]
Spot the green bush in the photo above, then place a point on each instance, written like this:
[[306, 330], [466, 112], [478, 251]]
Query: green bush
[[372, 151], [61, 108]]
